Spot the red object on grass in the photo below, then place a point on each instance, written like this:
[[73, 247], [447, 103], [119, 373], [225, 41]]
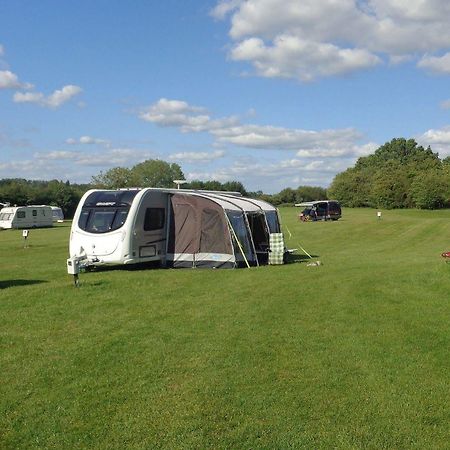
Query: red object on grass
[[446, 254]]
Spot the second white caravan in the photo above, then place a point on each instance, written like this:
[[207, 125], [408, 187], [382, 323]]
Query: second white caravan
[[26, 217]]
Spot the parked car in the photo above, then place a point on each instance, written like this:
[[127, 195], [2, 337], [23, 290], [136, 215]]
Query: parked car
[[320, 210]]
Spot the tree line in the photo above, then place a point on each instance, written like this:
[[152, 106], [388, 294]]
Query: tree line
[[399, 174], [18, 191]]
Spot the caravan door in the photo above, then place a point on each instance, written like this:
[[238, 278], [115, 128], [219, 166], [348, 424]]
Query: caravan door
[[150, 227]]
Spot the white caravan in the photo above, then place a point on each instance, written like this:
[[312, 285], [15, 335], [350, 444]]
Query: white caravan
[[26, 217], [176, 227], [57, 214]]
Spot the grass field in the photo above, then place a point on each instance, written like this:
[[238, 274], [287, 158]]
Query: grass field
[[352, 354]]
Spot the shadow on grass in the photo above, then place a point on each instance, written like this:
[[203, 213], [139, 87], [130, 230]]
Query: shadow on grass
[[12, 283], [125, 267], [292, 258]]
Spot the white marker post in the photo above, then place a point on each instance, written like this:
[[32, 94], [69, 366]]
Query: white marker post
[[25, 237], [379, 215]]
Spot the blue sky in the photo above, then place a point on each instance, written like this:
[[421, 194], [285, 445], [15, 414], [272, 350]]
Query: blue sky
[[273, 93]]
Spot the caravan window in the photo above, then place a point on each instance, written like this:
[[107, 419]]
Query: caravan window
[[105, 211], [102, 220], [82, 221], [154, 219], [21, 214], [34, 212], [119, 220]]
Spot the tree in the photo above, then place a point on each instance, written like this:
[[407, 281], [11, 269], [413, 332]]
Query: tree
[[150, 173], [389, 187], [385, 178], [351, 188], [156, 173], [117, 177], [286, 196], [432, 191], [234, 186], [310, 193]]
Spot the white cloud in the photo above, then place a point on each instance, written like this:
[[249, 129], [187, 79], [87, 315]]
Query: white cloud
[[224, 7], [273, 176], [292, 57], [29, 97], [279, 138], [318, 38], [176, 113], [197, 157], [230, 131], [57, 155], [435, 64], [338, 152], [108, 158], [439, 140], [88, 140], [62, 96], [22, 168], [113, 157], [74, 165], [53, 101], [9, 80]]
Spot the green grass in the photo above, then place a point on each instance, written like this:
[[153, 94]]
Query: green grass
[[351, 354]]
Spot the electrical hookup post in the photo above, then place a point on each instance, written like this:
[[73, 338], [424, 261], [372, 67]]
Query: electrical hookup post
[[74, 266], [25, 234]]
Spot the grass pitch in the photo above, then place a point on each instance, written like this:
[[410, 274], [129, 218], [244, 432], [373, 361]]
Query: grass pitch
[[350, 354]]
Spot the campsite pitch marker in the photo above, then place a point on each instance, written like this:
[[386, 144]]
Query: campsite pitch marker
[[25, 234]]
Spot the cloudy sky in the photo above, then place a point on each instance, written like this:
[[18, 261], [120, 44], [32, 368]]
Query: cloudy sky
[[272, 93]]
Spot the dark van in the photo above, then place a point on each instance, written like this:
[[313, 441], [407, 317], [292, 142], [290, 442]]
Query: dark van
[[320, 210]]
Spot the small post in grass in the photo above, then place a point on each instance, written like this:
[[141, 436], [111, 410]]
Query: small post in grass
[[25, 234], [379, 215], [74, 268]]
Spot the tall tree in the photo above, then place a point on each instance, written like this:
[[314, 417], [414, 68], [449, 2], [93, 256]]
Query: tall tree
[[156, 173], [386, 178], [117, 177]]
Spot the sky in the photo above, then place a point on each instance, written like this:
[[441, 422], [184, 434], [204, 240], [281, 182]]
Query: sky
[[272, 93]]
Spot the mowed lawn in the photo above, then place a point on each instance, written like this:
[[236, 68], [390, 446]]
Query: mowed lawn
[[351, 354]]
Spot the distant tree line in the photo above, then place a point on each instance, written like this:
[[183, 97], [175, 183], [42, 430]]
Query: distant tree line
[[18, 191], [400, 174]]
